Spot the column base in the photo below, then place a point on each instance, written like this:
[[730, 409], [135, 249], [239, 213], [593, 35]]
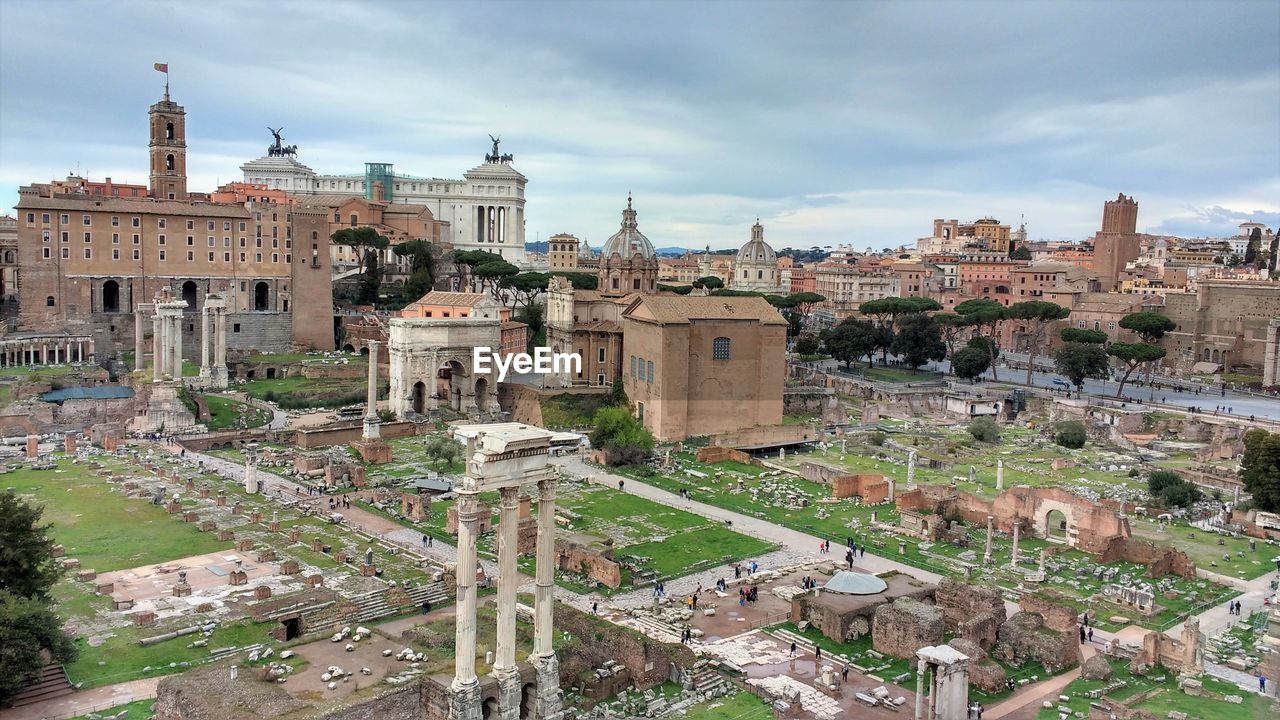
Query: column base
[[548, 705], [464, 701], [372, 428], [374, 452], [220, 377], [508, 694]]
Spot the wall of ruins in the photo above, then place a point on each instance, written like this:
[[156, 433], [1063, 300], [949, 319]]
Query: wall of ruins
[[905, 625], [594, 560], [766, 435], [1092, 524], [871, 487], [649, 661], [1025, 637], [328, 437], [1160, 560], [973, 612], [716, 453]]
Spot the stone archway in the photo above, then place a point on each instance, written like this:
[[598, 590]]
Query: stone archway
[[482, 395], [420, 397], [1056, 526]]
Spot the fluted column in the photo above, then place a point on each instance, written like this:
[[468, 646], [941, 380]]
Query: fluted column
[[504, 665], [544, 600], [371, 431], [175, 342], [157, 342], [205, 368], [220, 353], [464, 664]]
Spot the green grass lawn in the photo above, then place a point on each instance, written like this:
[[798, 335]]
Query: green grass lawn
[[226, 412], [138, 710], [296, 391], [121, 658], [741, 706], [100, 526], [1166, 696]]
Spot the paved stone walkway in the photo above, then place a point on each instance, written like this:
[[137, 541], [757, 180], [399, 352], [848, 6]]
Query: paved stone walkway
[[1040, 691], [85, 701]]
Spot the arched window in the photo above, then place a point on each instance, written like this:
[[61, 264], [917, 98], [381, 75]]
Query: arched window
[[168, 162], [111, 296], [261, 292], [49, 301], [189, 290], [168, 131], [354, 219], [720, 348]]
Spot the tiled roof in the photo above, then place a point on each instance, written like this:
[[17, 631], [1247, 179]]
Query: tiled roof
[[683, 308], [450, 299], [136, 206]]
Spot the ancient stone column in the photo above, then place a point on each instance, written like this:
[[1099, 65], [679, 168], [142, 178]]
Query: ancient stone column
[[999, 474], [175, 342], [139, 336], [250, 477], [890, 489], [465, 689], [911, 470], [1017, 527], [920, 669], [371, 431], [1044, 555], [220, 377], [504, 664], [544, 655], [157, 347], [205, 369], [986, 556]]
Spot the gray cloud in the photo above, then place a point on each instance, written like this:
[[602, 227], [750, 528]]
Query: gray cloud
[[833, 122]]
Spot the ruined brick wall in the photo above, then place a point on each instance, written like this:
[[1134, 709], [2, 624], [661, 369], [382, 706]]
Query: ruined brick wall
[[1057, 616], [974, 612], [648, 660], [716, 453], [401, 703], [595, 563], [1159, 560], [872, 488], [906, 625], [209, 693], [1025, 638]]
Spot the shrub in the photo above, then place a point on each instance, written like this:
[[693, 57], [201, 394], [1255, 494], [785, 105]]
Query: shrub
[[876, 438], [984, 429], [1170, 488], [1071, 434]]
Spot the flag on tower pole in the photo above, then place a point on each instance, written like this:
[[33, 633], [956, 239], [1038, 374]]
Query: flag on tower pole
[[163, 67]]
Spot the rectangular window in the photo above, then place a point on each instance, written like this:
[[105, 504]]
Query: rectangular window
[[115, 221], [650, 371], [211, 225], [137, 222], [65, 219], [633, 366], [226, 225], [226, 241], [258, 257], [88, 237], [226, 257], [88, 253], [242, 227], [66, 253], [275, 257], [720, 348], [190, 256], [88, 219], [161, 254], [601, 354], [161, 239], [191, 224], [242, 241], [44, 235], [211, 240], [47, 253], [115, 238], [242, 260], [115, 253], [161, 223], [66, 236], [44, 218], [288, 257], [210, 257], [137, 254], [137, 239]]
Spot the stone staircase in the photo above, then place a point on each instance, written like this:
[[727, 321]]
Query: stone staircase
[[707, 680], [52, 682], [373, 606]]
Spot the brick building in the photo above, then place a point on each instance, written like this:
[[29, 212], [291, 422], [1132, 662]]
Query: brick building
[[699, 365], [87, 258]]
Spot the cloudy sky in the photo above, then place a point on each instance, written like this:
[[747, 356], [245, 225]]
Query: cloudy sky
[[832, 122]]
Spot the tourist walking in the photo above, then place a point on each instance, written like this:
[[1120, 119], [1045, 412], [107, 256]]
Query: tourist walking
[[793, 650], [844, 672], [1082, 635], [594, 607], [1090, 634]]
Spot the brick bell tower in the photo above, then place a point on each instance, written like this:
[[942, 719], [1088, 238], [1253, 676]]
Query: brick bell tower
[[168, 149]]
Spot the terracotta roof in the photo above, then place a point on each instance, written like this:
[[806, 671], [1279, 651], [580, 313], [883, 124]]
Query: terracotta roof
[[450, 299], [599, 326], [680, 309], [511, 325], [337, 200]]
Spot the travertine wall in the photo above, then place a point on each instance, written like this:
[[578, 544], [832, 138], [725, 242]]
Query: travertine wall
[[906, 625]]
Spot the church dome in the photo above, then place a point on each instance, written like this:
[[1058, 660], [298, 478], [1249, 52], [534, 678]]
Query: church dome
[[756, 251], [628, 241]]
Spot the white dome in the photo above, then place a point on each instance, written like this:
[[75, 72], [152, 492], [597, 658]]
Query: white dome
[[628, 241], [757, 251]]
